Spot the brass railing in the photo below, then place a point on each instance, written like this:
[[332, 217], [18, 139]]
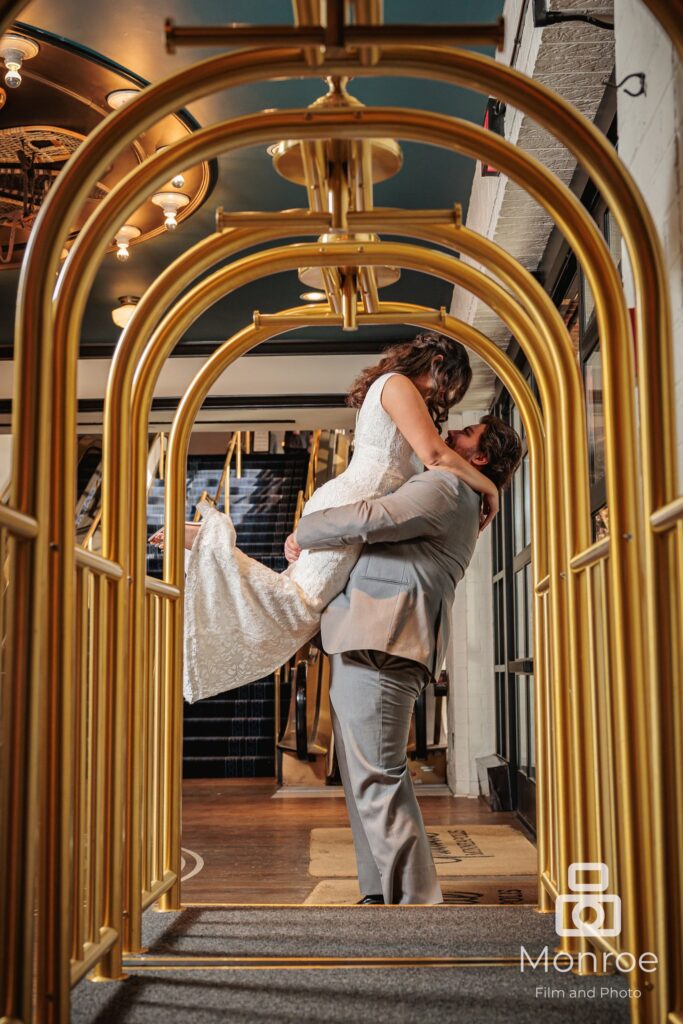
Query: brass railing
[[91, 937], [156, 878]]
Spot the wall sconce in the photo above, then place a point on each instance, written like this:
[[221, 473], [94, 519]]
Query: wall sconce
[[124, 236], [14, 50], [170, 203], [122, 313], [177, 180], [118, 97]]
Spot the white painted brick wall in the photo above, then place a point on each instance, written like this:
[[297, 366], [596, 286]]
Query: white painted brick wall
[[650, 144], [471, 709]]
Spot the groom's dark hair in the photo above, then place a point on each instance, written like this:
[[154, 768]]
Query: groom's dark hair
[[428, 352], [502, 446]]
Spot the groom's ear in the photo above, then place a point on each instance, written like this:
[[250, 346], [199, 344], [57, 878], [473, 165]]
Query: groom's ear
[[479, 459]]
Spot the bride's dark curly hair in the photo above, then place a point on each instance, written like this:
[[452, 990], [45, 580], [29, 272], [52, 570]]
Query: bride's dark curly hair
[[446, 360]]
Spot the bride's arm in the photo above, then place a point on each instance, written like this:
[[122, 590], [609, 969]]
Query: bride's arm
[[406, 406]]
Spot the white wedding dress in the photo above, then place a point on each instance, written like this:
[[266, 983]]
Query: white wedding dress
[[242, 619]]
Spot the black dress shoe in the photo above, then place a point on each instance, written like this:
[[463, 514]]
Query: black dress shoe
[[375, 898]]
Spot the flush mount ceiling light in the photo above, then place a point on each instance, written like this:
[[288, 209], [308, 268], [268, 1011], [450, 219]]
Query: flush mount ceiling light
[[170, 203], [122, 313], [124, 236], [177, 180], [118, 97], [14, 50], [313, 296]]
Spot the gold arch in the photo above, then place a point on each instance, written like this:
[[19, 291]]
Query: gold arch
[[38, 379]]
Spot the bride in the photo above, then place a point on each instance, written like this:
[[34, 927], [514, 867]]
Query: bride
[[242, 619]]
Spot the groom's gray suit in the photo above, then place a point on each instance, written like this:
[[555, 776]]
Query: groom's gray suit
[[386, 635]]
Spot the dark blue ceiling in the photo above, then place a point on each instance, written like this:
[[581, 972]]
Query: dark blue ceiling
[[131, 33]]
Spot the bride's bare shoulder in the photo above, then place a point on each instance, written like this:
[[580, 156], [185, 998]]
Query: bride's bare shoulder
[[398, 387]]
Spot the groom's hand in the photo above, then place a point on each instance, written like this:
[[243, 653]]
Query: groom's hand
[[292, 549]]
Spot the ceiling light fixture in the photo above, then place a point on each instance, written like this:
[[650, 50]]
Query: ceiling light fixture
[[313, 296], [14, 50], [124, 236], [118, 97], [122, 313], [177, 180], [171, 203]]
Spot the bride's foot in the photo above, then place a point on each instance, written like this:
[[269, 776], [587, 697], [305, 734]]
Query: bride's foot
[[191, 531]]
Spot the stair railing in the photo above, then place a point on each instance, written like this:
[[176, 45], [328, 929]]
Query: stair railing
[[234, 449], [311, 475]]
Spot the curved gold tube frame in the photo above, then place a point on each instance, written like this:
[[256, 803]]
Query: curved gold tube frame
[[38, 379], [558, 200]]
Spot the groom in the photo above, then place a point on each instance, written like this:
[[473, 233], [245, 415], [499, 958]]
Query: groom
[[386, 636]]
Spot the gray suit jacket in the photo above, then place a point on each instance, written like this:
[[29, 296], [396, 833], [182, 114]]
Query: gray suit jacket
[[418, 544]]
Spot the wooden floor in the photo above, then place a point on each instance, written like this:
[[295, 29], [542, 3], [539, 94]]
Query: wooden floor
[[255, 848]]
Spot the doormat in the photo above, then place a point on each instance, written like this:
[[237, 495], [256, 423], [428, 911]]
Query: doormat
[[463, 892], [458, 851]]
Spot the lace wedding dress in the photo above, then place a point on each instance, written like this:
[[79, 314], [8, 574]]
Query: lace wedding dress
[[242, 619]]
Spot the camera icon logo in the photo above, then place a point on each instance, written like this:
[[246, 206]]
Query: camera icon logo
[[590, 908]]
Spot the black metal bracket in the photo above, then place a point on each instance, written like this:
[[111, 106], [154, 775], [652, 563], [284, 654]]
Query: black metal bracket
[[640, 75], [544, 18]]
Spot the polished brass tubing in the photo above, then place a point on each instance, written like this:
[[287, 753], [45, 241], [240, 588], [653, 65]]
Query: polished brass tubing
[[93, 952], [17, 523], [301, 220], [358, 220], [367, 284], [154, 586], [592, 555], [307, 12], [349, 296], [316, 35], [529, 94], [543, 585], [98, 564], [667, 516], [608, 818], [121, 495], [368, 12], [159, 347], [158, 889], [117, 507]]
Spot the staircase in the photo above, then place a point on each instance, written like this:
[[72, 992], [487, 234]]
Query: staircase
[[232, 735]]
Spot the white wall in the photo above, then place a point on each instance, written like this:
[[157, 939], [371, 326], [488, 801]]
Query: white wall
[[471, 706], [650, 144]]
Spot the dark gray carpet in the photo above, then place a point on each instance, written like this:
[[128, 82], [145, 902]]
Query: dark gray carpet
[[381, 996], [350, 931], [352, 995]]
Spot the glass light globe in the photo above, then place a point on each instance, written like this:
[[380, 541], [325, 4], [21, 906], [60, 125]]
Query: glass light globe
[[13, 78]]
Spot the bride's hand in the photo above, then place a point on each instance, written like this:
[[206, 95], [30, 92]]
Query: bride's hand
[[292, 549], [490, 507]]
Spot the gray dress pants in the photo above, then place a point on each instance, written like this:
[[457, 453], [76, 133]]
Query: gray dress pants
[[372, 695]]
